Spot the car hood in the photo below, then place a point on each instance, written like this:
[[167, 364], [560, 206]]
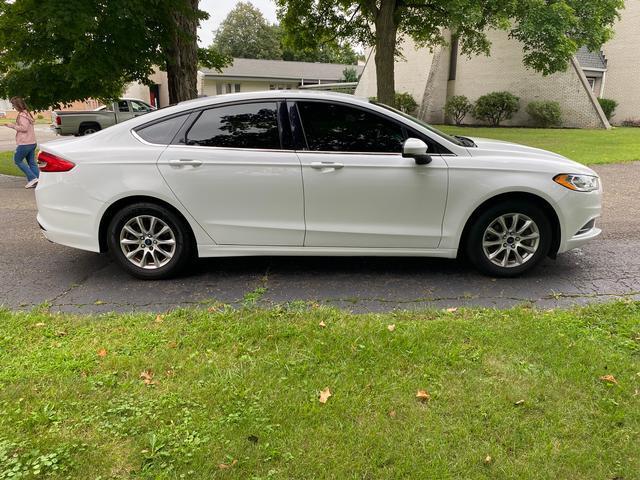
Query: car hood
[[522, 155]]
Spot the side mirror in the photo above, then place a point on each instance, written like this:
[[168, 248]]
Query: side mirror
[[416, 149]]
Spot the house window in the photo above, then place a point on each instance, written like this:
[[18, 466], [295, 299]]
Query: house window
[[592, 83], [280, 86]]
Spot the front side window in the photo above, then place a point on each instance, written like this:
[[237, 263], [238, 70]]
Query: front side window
[[139, 106], [331, 127], [252, 125], [123, 106]]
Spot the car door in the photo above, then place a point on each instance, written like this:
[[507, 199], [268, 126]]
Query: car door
[[234, 169], [124, 110], [359, 190], [139, 108]]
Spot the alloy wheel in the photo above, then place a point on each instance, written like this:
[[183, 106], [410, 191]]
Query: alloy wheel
[[147, 242], [511, 240]]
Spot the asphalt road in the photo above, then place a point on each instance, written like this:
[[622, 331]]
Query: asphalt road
[[34, 271]]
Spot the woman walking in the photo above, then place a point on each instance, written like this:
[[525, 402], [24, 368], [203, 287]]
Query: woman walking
[[25, 141]]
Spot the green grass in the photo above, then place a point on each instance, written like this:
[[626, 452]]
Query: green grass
[[7, 167], [514, 394], [590, 147], [46, 118]]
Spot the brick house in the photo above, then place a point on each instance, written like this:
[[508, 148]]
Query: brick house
[[433, 76]]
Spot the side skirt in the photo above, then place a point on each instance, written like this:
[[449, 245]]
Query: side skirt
[[252, 251]]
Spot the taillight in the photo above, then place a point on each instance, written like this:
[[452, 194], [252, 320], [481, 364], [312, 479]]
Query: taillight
[[58, 120], [51, 163]]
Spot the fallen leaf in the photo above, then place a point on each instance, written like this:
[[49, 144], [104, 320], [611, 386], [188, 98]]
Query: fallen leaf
[[423, 396], [172, 344], [147, 377], [609, 379], [392, 414], [488, 459], [324, 395], [452, 309], [41, 324], [61, 333], [99, 302], [391, 327], [224, 466], [102, 352], [322, 324], [170, 373], [519, 402], [159, 318]]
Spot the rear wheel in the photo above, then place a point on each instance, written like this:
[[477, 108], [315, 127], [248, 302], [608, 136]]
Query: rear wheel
[[509, 238], [88, 129], [149, 241]]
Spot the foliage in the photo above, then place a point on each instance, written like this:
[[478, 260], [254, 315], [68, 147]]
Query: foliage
[[608, 107], [545, 113], [403, 102], [245, 33], [457, 107], [631, 122], [589, 147], [496, 107], [550, 31], [236, 393], [349, 75], [84, 49]]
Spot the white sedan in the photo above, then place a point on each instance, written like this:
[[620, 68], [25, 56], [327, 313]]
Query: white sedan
[[308, 173]]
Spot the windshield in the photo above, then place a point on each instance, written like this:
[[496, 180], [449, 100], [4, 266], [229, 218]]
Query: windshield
[[449, 138]]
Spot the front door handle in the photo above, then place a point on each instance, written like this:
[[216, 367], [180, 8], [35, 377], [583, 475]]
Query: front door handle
[[326, 166], [184, 162]]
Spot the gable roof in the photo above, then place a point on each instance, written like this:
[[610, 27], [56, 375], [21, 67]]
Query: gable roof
[[589, 60], [282, 70]]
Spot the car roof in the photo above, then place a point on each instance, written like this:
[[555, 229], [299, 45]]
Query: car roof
[[275, 94]]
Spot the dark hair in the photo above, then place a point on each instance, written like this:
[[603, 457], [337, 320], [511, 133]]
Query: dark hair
[[20, 105]]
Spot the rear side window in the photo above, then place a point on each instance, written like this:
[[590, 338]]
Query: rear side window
[[162, 132], [252, 125], [331, 127]]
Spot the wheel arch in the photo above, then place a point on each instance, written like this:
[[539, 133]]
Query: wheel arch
[[91, 123], [110, 212], [511, 196]]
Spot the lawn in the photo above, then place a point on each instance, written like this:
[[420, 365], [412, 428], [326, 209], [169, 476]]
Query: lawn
[[7, 167], [590, 147], [222, 393], [46, 118]]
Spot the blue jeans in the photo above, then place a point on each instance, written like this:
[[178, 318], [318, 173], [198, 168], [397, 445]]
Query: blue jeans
[[28, 153]]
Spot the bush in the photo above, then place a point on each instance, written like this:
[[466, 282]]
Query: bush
[[40, 116], [496, 107], [404, 102], [608, 107], [631, 122], [545, 114], [457, 107], [349, 74]]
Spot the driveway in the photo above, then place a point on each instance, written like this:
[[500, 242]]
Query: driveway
[[34, 271]]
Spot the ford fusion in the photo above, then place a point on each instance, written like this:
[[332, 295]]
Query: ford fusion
[[308, 173]]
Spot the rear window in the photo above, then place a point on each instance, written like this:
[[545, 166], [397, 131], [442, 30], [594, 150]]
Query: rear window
[[162, 132]]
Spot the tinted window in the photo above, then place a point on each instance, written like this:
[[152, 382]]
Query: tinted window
[[123, 106], [335, 127], [162, 132], [253, 125]]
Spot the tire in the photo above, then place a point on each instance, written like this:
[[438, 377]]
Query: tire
[[88, 129], [488, 243], [157, 241]]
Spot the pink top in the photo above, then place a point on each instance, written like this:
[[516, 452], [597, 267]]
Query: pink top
[[25, 134]]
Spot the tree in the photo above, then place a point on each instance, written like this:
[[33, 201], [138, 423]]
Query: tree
[[245, 33], [91, 49], [551, 31]]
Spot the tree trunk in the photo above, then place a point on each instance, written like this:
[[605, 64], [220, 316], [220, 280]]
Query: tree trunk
[[182, 54], [386, 29]]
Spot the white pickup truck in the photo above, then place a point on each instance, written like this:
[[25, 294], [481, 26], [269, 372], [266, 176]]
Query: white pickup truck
[[84, 122]]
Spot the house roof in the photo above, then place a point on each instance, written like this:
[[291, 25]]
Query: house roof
[[282, 70], [591, 60]]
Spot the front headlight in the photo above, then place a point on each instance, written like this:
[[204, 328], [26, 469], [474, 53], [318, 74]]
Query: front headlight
[[579, 183]]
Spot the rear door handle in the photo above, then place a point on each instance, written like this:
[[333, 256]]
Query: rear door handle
[[326, 166], [184, 162]]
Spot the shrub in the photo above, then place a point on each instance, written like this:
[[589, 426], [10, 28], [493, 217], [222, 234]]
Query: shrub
[[349, 74], [457, 107], [496, 107], [608, 107], [404, 102], [40, 116], [545, 114], [631, 122]]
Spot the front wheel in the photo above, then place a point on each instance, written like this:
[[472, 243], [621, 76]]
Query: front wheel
[[149, 241], [509, 238]]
